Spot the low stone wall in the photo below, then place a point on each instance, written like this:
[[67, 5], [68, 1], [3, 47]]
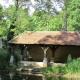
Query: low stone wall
[[37, 53], [31, 64], [62, 53]]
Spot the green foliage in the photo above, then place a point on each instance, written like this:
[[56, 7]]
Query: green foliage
[[14, 64], [69, 59], [4, 59], [54, 24], [74, 15], [2, 22], [55, 70], [42, 20], [22, 21], [1, 12], [16, 58], [18, 18], [70, 15], [71, 67], [10, 13], [8, 18]]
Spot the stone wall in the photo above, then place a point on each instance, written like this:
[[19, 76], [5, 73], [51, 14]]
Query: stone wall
[[62, 53]]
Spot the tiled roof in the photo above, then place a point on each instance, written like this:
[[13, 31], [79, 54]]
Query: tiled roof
[[47, 37]]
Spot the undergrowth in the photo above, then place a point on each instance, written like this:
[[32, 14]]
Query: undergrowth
[[72, 66]]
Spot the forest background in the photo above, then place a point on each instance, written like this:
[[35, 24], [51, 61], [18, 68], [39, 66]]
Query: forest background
[[17, 18]]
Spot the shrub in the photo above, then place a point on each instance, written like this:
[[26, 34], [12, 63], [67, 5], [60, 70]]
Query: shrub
[[4, 60], [16, 58], [72, 67]]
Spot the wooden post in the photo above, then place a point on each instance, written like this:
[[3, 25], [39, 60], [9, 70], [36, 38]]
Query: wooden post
[[22, 47], [21, 56], [12, 50], [45, 61], [53, 53]]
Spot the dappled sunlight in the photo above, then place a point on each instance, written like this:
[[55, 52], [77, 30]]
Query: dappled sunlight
[[61, 38], [47, 37]]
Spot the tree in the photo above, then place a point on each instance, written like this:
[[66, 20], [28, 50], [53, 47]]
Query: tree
[[48, 5], [22, 21], [64, 14], [74, 15], [42, 20], [2, 21], [55, 23], [17, 21], [11, 18]]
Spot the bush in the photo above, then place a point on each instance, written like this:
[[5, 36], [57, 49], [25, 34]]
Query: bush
[[69, 59], [4, 60], [16, 58], [72, 67]]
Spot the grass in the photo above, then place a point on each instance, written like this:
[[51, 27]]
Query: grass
[[72, 67]]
